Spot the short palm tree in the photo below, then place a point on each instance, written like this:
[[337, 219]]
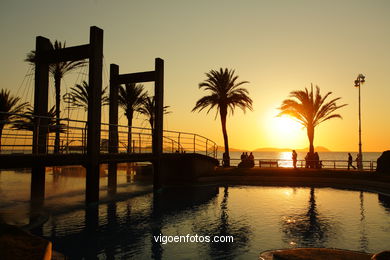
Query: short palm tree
[[80, 93], [226, 94], [130, 97], [58, 71], [9, 107], [310, 109], [27, 121], [147, 109]]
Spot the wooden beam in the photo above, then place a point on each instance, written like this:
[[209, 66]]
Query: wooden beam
[[41, 99], [94, 114], [158, 123], [41, 95], [113, 128], [80, 52], [138, 77], [113, 110]]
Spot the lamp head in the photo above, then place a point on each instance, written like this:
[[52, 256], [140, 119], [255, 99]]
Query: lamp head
[[362, 78], [357, 83]]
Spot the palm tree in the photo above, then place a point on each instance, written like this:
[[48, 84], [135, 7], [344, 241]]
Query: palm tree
[[58, 71], [80, 93], [9, 106], [130, 99], [310, 110], [226, 93], [147, 108], [28, 121]]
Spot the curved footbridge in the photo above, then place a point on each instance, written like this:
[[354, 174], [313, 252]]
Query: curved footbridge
[[183, 158]]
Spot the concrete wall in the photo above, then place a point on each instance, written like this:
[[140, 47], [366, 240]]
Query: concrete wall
[[186, 168]]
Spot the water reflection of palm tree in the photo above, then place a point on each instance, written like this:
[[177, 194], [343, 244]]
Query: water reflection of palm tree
[[306, 229], [227, 227], [156, 226]]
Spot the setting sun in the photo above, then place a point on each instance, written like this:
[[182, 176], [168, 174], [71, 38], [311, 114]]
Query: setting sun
[[285, 132], [286, 125]]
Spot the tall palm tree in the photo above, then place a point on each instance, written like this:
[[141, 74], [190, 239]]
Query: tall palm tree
[[310, 109], [226, 94], [147, 109], [58, 71], [9, 106], [80, 94], [130, 98]]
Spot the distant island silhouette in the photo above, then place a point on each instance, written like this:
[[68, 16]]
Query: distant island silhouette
[[272, 149]]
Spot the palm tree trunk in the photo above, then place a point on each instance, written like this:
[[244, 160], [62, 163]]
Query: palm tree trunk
[[151, 121], [310, 135], [312, 212], [129, 124], [57, 85], [223, 114]]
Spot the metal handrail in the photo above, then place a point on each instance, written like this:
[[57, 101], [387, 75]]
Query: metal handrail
[[173, 140], [288, 163]]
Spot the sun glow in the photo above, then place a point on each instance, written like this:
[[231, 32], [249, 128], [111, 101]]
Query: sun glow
[[285, 132]]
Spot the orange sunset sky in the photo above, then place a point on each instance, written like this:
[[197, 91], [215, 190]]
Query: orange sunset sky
[[278, 46]]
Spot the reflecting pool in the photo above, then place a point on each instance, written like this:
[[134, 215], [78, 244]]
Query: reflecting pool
[[258, 218]]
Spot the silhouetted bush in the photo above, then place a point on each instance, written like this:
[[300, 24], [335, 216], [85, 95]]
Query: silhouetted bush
[[383, 163]]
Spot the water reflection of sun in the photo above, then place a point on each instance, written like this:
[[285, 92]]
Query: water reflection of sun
[[285, 159]]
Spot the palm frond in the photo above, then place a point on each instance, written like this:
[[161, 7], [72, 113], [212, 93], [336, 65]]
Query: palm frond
[[10, 106], [224, 92], [80, 95], [28, 121], [310, 108]]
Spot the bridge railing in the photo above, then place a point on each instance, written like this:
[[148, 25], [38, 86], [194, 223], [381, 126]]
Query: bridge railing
[[286, 163], [17, 137]]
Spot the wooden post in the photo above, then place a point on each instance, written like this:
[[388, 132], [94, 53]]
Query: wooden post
[[158, 124], [41, 92], [113, 128], [94, 114], [140, 143]]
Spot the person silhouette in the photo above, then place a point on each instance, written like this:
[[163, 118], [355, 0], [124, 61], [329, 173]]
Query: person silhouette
[[350, 162], [358, 162], [242, 156], [294, 158], [316, 160], [251, 160]]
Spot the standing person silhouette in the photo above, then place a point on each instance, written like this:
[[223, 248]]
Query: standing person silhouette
[[251, 160], [350, 162], [358, 162], [294, 158], [316, 161]]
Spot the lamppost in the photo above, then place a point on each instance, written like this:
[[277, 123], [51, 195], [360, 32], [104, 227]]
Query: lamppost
[[358, 82], [68, 99]]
